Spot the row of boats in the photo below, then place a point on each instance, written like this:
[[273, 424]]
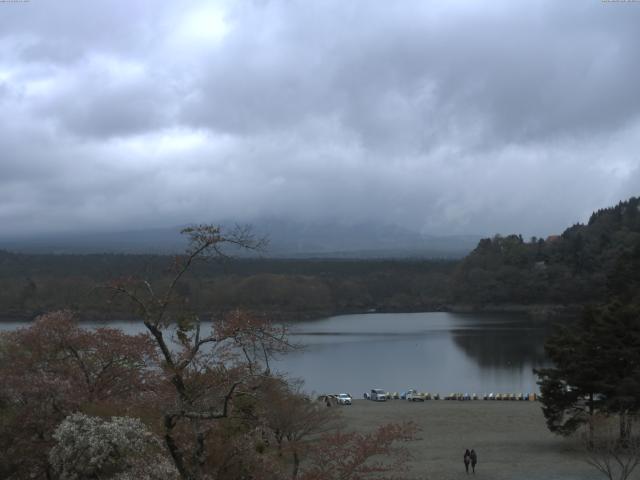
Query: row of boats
[[422, 396]]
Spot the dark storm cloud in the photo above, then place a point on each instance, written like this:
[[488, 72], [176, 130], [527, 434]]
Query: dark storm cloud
[[522, 73], [447, 117]]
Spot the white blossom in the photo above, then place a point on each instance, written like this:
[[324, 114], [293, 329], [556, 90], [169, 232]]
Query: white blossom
[[120, 449]]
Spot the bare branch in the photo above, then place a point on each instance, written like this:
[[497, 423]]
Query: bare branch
[[613, 458]]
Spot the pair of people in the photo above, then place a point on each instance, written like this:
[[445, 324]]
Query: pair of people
[[470, 457]]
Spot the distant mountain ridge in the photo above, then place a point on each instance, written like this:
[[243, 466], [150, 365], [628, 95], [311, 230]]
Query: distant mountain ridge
[[287, 239], [585, 264]]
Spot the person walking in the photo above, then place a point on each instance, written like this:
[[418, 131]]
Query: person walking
[[467, 460], [474, 460]]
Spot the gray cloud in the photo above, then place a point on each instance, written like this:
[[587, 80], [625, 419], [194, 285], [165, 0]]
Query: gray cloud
[[442, 116]]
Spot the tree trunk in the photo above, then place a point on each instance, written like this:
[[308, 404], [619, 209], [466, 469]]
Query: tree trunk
[[296, 465], [174, 451], [591, 427], [625, 428], [279, 438], [200, 453]]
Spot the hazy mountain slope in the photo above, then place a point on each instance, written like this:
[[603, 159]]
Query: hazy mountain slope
[[286, 239]]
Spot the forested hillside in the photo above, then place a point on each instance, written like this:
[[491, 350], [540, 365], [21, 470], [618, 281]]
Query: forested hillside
[[579, 266], [31, 284]]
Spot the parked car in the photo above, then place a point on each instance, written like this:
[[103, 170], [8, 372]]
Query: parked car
[[344, 399], [413, 395], [378, 395]]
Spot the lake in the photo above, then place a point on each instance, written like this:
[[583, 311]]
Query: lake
[[435, 352], [432, 351]]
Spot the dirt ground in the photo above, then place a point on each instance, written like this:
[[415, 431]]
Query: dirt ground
[[510, 438]]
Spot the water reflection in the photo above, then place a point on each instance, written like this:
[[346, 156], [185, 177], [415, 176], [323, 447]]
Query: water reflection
[[436, 351], [495, 348]]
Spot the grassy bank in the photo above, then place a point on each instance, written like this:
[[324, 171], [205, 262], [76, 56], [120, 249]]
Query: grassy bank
[[510, 438]]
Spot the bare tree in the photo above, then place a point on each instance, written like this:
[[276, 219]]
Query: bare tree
[[220, 395], [607, 453], [206, 371], [294, 420]]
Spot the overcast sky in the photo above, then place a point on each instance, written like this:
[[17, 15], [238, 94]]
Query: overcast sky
[[444, 116]]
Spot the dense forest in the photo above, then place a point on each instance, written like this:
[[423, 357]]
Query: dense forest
[[31, 284], [582, 265], [577, 267]]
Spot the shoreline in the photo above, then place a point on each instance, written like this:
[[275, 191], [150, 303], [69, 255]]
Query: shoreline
[[535, 311]]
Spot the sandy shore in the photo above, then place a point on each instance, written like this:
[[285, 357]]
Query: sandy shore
[[510, 438]]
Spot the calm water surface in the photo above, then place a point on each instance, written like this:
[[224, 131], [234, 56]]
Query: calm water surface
[[435, 352]]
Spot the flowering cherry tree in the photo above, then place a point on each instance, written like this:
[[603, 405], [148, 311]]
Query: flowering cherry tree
[[379, 454], [54, 368], [121, 448]]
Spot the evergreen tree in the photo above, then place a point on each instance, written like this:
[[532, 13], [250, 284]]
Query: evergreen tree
[[596, 369], [571, 392]]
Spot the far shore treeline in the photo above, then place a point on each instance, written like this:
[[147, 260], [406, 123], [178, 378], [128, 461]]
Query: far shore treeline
[[577, 267]]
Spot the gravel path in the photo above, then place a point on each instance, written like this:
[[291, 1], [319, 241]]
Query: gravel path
[[510, 438]]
